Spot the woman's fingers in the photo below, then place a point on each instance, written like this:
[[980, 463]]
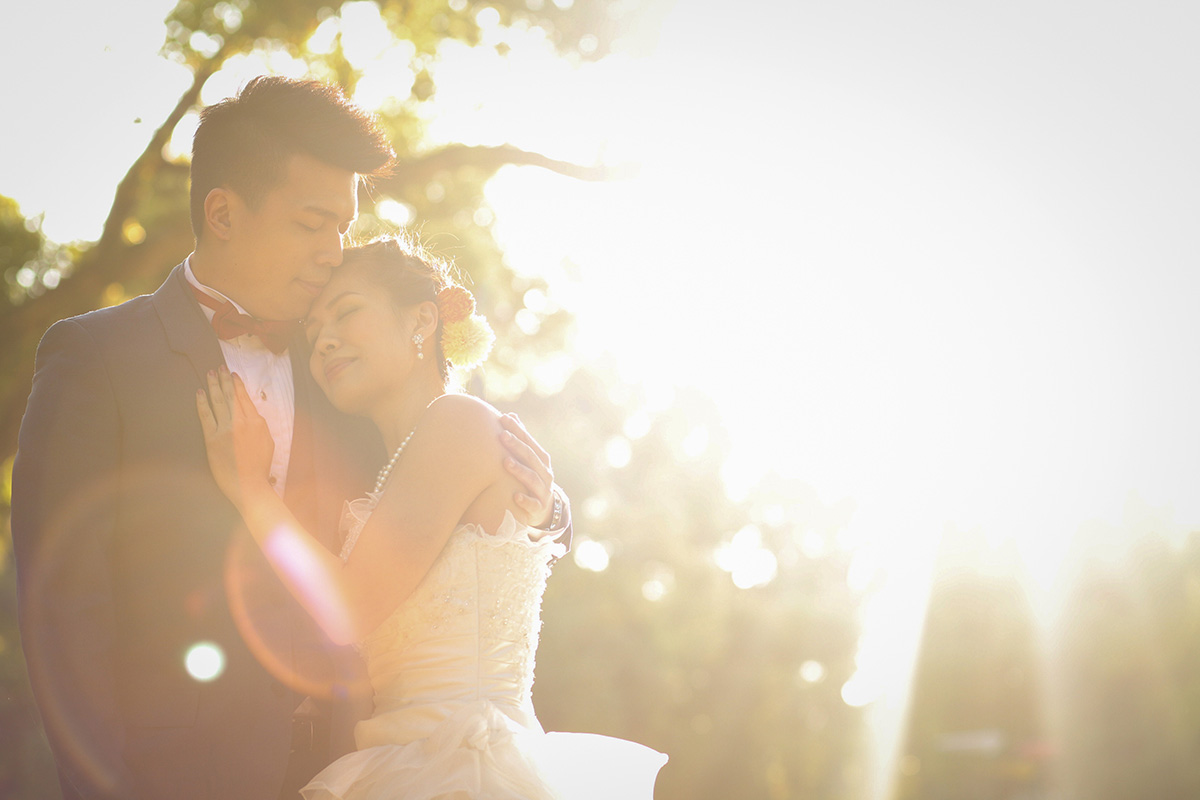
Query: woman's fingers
[[208, 423], [226, 379], [216, 399], [223, 404], [244, 404]]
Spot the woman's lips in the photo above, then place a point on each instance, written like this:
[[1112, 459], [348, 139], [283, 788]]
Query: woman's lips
[[335, 367]]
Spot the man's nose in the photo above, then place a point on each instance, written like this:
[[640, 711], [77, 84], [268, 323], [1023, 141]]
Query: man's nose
[[330, 254]]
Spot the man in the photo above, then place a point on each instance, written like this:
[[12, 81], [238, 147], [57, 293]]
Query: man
[[166, 659]]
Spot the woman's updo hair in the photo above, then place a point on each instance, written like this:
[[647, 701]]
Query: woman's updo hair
[[409, 273]]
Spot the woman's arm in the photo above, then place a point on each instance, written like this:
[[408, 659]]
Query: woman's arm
[[450, 473]]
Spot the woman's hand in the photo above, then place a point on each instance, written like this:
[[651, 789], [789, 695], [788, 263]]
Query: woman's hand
[[236, 436]]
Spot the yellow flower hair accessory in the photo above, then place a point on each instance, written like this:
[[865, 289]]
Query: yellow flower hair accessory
[[466, 337]]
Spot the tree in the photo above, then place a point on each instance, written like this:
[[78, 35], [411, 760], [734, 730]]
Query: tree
[[660, 645], [147, 230]]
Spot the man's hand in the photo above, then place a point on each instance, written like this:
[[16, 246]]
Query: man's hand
[[530, 465]]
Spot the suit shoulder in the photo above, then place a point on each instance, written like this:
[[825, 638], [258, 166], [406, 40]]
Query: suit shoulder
[[103, 324], [119, 316]]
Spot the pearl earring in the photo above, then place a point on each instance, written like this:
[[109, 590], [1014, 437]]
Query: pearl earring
[[418, 339]]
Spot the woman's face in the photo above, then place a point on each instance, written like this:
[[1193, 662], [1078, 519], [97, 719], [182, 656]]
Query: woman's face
[[362, 345]]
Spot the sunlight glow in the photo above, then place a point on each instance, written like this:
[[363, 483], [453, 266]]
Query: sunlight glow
[[205, 44], [900, 346], [857, 693], [365, 36], [395, 212], [205, 661], [654, 590], [695, 443], [295, 554], [595, 507], [487, 17], [637, 425], [748, 563], [618, 452], [812, 672], [323, 38], [591, 555], [659, 584]]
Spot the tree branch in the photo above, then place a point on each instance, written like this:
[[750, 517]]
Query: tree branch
[[136, 178], [422, 169]]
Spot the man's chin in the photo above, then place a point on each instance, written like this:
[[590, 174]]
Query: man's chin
[[296, 311]]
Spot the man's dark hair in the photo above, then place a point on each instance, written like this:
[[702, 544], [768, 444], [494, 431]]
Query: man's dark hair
[[244, 142]]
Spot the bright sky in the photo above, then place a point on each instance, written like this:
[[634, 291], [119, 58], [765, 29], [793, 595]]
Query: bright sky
[[937, 257], [938, 248]]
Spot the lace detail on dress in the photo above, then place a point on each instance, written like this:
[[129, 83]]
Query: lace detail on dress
[[355, 514], [452, 674], [502, 575], [511, 583], [431, 605]]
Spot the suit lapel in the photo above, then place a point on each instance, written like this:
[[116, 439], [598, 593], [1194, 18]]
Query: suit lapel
[[331, 456], [187, 329]]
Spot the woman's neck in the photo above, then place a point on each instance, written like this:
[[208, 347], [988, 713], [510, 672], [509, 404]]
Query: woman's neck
[[397, 416]]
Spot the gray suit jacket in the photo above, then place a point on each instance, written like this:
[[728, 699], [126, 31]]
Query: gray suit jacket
[[128, 556]]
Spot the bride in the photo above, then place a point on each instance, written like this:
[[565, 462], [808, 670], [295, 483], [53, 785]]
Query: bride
[[438, 584]]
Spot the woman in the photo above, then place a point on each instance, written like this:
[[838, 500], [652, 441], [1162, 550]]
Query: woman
[[438, 584]]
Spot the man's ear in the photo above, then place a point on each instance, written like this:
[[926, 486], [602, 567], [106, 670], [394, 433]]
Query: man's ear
[[218, 213]]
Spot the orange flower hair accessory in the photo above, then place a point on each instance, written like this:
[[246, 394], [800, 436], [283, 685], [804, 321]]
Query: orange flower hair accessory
[[466, 337], [455, 303]]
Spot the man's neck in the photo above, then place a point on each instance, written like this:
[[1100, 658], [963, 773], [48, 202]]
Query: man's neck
[[207, 267]]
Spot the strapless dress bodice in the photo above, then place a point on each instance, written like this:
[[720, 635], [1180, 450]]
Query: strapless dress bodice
[[467, 637], [452, 673]]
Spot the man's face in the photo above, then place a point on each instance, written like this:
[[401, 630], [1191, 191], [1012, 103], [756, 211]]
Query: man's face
[[283, 252]]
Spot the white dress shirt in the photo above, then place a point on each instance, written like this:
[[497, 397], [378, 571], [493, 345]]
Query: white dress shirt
[[268, 379]]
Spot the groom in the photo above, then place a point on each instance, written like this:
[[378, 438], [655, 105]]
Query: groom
[[167, 660]]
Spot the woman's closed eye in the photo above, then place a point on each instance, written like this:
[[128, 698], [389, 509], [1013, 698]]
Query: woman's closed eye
[[312, 328]]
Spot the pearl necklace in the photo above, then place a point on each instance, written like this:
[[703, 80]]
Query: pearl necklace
[[387, 468]]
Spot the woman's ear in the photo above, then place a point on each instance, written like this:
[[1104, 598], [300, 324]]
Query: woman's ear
[[218, 213], [426, 319]]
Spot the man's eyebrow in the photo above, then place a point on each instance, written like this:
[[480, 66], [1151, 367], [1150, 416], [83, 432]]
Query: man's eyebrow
[[321, 212]]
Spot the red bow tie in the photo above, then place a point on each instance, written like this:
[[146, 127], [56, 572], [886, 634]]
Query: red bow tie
[[229, 323]]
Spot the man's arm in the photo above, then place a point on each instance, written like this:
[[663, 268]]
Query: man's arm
[[63, 516]]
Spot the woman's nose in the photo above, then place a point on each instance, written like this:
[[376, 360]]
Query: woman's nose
[[324, 343]]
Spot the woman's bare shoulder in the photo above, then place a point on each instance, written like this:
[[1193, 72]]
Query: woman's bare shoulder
[[463, 422]]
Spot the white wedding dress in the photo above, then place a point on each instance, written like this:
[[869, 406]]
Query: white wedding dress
[[452, 673]]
